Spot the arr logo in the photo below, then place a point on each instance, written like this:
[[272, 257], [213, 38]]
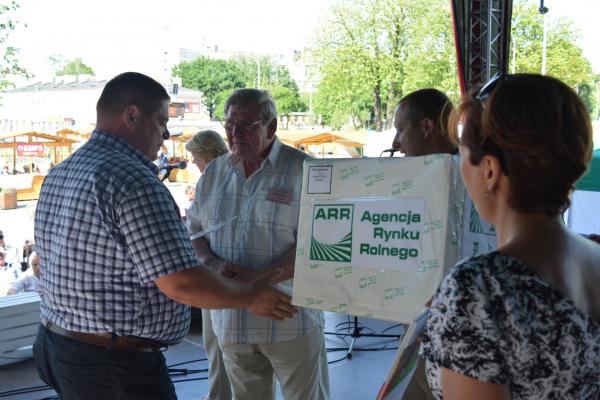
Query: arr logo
[[331, 238]]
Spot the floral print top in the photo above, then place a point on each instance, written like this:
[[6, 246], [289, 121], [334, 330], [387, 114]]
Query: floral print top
[[494, 319]]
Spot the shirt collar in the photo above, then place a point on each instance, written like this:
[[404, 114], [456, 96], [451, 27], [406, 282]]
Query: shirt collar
[[274, 153], [116, 143]]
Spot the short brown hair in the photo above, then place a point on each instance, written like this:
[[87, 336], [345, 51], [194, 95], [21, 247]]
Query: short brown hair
[[428, 103], [539, 130], [131, 88]]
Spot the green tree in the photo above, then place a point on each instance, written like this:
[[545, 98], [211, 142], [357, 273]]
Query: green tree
[[365, 51], [262, 72], [564, 57], [432, 61], [75, 67], [9, 64], [287, 100], [211, 77], [216, 79]]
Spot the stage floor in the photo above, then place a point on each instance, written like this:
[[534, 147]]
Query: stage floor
[[357, 378]]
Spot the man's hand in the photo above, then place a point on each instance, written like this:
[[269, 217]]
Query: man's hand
[[248, 275], [271, 303]]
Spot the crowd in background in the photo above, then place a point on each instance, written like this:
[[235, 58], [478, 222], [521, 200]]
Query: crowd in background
[[19, 267]]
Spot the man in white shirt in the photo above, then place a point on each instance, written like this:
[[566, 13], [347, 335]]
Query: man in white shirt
[[29, 280], [12, 253], [9, 271], [247, 203]]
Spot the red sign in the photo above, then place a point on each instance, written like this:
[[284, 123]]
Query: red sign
[[30, 150]]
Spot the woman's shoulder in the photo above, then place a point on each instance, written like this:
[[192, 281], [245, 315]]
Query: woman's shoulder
[[492, 264]]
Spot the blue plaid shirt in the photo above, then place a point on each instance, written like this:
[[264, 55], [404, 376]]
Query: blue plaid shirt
[[264, 231], [105, 229]]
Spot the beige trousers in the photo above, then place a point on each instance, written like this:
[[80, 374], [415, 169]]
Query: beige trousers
[[218, 382], [300, 366]]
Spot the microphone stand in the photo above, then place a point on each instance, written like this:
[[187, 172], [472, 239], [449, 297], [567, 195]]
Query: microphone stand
[[166, 175], [391, 151], [357, 333]]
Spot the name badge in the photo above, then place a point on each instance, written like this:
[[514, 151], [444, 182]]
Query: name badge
[[279, 196]]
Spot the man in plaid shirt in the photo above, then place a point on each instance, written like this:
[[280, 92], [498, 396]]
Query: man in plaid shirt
[[117, 267], [247, 203]]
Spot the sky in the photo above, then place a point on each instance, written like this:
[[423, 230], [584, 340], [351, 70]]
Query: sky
[[113, 36]]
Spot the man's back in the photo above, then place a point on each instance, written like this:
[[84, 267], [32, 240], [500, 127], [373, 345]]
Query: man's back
[[96, 256]]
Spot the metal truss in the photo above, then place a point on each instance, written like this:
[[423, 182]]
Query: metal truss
[[482, 32]]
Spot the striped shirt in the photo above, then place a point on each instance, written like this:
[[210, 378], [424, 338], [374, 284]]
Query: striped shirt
[[264, 231], [105, 229]]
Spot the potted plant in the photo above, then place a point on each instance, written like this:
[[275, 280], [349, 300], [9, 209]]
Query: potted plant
[[8, 198]]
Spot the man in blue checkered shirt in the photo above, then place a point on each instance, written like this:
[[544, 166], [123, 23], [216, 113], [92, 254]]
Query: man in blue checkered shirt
[[117, 267]]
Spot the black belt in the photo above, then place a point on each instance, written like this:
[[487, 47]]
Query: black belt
[[109, 340]]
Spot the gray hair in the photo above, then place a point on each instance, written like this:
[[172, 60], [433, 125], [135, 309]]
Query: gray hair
[[207, 143], [267, 110]]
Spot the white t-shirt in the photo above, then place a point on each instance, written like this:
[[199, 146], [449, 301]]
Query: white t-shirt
[[8, 274], [27, 282]]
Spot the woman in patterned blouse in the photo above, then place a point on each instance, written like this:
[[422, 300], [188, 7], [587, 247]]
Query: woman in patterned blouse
[[521, 322]]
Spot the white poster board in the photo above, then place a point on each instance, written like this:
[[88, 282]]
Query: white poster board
[[374, 200], [584, 213]]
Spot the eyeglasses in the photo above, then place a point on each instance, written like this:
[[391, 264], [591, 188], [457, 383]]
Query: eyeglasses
[[489, 87], [482, 95], [1, 237], [240, 126]]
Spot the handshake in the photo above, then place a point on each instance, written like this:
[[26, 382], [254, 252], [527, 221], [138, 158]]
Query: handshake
[[267, 301]]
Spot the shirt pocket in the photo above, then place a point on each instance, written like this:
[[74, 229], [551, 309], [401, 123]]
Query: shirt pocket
[[276, 220]]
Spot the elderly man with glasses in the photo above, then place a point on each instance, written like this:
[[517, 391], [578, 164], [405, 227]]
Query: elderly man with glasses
[[247, 204]]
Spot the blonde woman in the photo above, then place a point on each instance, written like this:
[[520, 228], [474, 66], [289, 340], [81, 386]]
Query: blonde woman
[[205, 146]]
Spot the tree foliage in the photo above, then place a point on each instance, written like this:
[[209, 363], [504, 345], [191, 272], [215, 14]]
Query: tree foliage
[[564, 56], [211, 77], [75, 67], [368, 49], [9, 64], [432, 60], [371, 52], [216, 79]]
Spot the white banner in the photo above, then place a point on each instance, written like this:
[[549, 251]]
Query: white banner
[[376, 235]]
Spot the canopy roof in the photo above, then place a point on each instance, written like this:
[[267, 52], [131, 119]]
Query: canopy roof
[[9, 141], [67, 132], [291, 137], [349, 139]]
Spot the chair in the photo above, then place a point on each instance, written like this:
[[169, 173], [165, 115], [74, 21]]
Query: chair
[[33, 192]]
